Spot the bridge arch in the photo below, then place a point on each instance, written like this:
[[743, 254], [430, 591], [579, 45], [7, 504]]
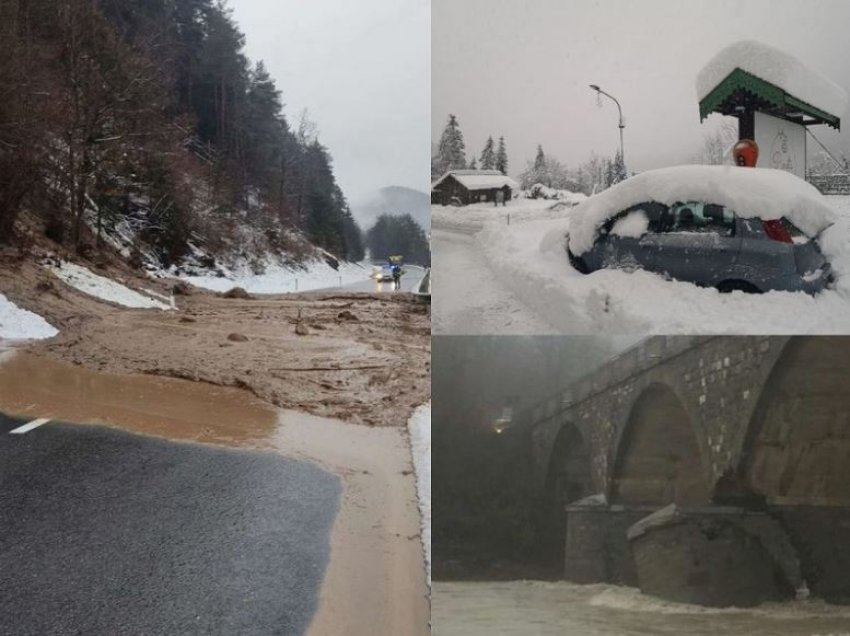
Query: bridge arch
[[797, 445], [568, 479], [660, 456]]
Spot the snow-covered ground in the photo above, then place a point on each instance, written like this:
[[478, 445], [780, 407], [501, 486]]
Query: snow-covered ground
[[525, 262], [20, 324], [104, 288], [420, 440], [278, 279], [466, 295]]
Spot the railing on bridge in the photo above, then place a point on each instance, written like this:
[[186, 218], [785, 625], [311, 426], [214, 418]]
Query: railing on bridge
[[838, 183]]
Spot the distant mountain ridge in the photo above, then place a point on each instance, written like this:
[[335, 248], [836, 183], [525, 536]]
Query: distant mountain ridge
[[395, 201]]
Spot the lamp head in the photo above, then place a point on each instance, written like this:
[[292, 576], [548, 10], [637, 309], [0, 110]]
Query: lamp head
[[595, 87]]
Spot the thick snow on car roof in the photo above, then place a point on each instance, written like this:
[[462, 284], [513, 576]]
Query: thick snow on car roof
[[751, 192], [778, 68]]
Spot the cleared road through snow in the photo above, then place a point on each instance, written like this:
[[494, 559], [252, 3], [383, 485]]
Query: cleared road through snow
[[469, 298]]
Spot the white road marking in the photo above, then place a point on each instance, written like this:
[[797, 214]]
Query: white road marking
[[26, 428]]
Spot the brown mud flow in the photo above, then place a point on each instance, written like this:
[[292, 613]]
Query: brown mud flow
[[39, 387], [375, 582]]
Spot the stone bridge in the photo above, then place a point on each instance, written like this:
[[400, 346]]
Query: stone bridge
[[749, 437]]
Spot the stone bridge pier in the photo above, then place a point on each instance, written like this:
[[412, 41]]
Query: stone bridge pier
[[712, 470]]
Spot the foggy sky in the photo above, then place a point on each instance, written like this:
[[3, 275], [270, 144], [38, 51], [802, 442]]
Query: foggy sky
[[521, 68], [363, 71]]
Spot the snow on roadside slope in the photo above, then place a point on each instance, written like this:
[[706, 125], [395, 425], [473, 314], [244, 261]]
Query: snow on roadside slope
[[529, 260], [92, 284], [20, 324], [278, 279], [420, 441]]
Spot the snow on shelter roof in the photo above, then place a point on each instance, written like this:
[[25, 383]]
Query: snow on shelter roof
[[478, 179], [775, 67], [751, 192]]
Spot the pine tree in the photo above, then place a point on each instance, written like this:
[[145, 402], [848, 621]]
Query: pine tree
[[540, 159], [473, 165], [452, 150], [618, 169], [400, 235], [502, 157], [488, 156]]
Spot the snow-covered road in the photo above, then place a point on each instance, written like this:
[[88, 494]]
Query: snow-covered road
[[516, 279], [469, 296]]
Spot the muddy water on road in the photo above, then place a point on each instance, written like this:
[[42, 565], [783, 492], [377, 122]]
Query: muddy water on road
[[375, 582], [177, 409]]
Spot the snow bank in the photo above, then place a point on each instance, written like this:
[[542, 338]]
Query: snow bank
[[92, 284], [778, 68], [278, 279], [528, 260], [751, 192], [470, 219], [20, 324], [420, 440], [540, 191]]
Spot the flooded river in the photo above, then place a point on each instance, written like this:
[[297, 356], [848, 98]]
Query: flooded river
[[536, 608]]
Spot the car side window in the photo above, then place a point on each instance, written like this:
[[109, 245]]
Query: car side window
[[696, 216], [652, 211]]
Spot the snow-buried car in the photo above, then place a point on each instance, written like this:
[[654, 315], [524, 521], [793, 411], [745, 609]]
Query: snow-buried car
[[732, 228]]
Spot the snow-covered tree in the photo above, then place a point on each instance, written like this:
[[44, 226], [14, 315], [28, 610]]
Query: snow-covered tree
[[540, 159], [473, 165], [593, 174], [618, 170], [451, 153], [488, 156], [717, 146], [547, 171], [502, 157]]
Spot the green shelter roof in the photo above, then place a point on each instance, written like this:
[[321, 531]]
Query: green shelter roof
[[741, 91]]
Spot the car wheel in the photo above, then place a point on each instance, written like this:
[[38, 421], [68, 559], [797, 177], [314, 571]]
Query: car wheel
[[728, 286]]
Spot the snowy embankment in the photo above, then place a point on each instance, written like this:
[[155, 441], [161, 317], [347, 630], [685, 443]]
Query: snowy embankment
[[104, 288], [528, 259], [420, 440], [279, 279], [20, 324]]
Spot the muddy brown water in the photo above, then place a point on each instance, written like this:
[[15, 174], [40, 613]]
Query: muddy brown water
[[375, 582], [39, 387]]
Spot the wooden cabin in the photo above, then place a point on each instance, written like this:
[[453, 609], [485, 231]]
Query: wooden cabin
[[464, 187]]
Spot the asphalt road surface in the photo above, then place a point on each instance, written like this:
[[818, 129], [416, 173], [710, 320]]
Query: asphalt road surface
[[106, 532], [407, 283]]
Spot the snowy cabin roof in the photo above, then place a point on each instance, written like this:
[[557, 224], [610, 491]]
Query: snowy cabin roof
[[775, 78], [474, 180], [761, 193]]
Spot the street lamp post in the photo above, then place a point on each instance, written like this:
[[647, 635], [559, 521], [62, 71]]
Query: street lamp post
[[621, 124]]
